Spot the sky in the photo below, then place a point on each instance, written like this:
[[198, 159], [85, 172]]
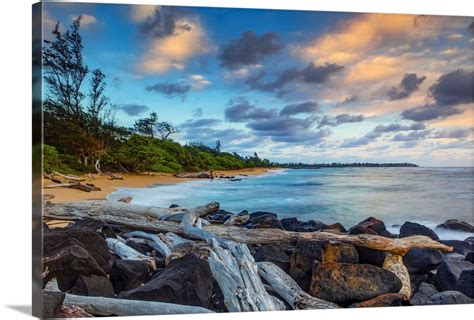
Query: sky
[[293, 86]]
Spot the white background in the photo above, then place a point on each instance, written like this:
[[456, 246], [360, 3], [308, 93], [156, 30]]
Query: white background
[[15, 153]]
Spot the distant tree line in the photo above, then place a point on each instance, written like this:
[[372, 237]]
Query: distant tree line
[[81, 134], [299, 165]]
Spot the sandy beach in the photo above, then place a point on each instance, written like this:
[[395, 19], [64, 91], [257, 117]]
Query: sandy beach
[[130, 181]]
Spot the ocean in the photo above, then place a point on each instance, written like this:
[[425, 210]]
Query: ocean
[[428, 196]]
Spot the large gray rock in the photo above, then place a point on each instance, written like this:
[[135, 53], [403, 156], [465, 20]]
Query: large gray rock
[[128, 274], [461, 247], [458, 225], [273, 253], [186, 280], [415, 229], [466, 283], [422, 260], [97, 286], [450, 297], [423, 294], [449, 272], [345, 283], [302, 259]]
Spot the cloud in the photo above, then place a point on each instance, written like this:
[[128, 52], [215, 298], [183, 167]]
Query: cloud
[[407, 86], [396, 127], [197, 113], [200, 123], [311, 74], [449, 91], [176, 37], [132, 109], [414, 135], [455, 36], [249, 49], [453, 88], [140, 13], [87, 20], [170, 90], [374, 68], [340, 119], [451, 134], [298, 108], [430, 112], [241, 110], [362, 141], [198, 81]]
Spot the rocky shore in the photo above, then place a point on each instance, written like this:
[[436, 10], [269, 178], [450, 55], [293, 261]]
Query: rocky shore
[[121, 265]]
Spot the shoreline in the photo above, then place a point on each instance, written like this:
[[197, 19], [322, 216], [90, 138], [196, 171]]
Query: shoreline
[[132, 180]]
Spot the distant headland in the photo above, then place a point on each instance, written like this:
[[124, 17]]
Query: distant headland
[[346, 165]]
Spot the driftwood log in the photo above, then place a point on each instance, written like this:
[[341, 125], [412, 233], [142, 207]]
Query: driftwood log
[[289, 290], [126, 252], [102, 306]]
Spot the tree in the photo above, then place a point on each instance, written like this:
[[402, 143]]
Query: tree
[[218, 146], [165, 129], [146, 126]]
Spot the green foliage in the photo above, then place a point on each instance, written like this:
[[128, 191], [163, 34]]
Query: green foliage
[[50, 158]]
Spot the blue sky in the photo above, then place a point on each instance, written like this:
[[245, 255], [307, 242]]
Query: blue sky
[[290, 85]]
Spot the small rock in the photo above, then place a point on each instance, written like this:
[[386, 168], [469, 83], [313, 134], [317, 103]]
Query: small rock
[[459, 246], [93, 286], [52, 302], [293, 224], [423, 294], [415, 229], [348, 283], [335, 227], [273, 253], [174, 205], [422, 260], [302, 259], [128, 275], [219, 217], [448, 273], [384, 300], [454, 224], [262, 219], [187, 280], [376, 225], [126, 199], [449, 297], [341, 253], [466, 283]]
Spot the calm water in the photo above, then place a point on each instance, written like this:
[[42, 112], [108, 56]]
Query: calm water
[[425, 195]]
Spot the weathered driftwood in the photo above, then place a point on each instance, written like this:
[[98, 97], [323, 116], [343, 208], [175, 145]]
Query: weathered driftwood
[[289, 290], [237, 219], [144, 218], [236, 273], [74, 185], [394, 263], [68, 177], [191, 223], [125, 252], [174, 239], [153, 241], [101, 306], [198, 175]]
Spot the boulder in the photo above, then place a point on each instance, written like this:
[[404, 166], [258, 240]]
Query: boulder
[[466, 283], [91, 241], [293, 224], [376, 225], [68, 264], [52, 302], [128, 274], [186, 280], [415, 229], [384, 300], [458, 225], [449, 297], [273, 253], [341, 253], [423, 294], [454, 256], [417, 279], [459, 246], [335, 227], [366, 255], [93, 286], [470, 256], [448, 273], [261, 219], [219, 217], [422, 260], [345, 283], [302, 259]]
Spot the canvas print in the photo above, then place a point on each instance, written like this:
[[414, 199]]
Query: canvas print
[[200, 160]]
